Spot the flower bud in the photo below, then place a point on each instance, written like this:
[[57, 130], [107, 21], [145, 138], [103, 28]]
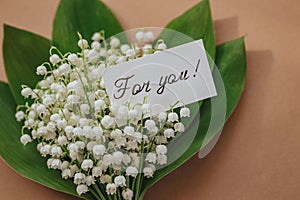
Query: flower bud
[[172, 117], [54, 59], [98, 151], [169, 133], [81, 189], [114, 42], [124, 48], [96, 36], [25, 139], [111, 188], [161, 46], [26, 92], [139, 36], [131, 171], [120, 181], [87, 164], [20, 115], [83, 44], [179, 127], [185, 112], [127, 194], [41, 70], [161, 149]]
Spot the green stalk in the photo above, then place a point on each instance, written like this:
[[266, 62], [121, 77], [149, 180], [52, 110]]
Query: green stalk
[[95, 194], [140, 177], [115, 197], [133, 184], [99, 191], [128, 181], [84, 63], [86, 95], [109, 197], [119, 194], [141, 197]]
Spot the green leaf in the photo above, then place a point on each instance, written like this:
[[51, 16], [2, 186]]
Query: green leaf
[[23, 52], [231, 62], [25, 159], [196, 23], [85, 17]]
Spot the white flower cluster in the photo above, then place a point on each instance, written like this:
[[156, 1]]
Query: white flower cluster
[[75, 126]]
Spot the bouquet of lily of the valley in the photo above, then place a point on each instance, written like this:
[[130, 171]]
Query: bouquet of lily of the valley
[[76, 138]]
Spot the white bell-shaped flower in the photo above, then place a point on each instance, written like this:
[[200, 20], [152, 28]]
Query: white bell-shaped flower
[[120, 181], [127, 194], [111, 188], [132, 171], [25, 139], [81, 189], [161, 149], [87, 164], [185, 112], [98, 151]]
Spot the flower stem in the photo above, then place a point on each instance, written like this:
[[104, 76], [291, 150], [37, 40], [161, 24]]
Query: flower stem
[[115, 197], [133, 184], [119, 194], [139, 178], [84, 64], [86, 95], [99, 191], [95, 194], [109, 197], [128, 181]]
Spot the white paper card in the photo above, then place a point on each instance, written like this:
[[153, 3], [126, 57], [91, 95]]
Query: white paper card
[[180, 73]]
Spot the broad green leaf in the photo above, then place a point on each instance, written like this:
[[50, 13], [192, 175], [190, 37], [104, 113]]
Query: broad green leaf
[[85, 17], [196, 23], [25, 159], [231, 62], [23, 52]]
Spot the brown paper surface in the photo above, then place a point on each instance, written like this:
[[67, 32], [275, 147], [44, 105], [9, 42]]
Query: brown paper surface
[[257, 156]]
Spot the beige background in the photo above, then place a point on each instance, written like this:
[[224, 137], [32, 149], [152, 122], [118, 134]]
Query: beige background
[[257, 156]]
